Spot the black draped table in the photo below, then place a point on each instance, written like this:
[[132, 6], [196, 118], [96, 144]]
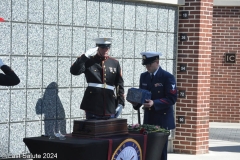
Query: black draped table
[[145, 147]]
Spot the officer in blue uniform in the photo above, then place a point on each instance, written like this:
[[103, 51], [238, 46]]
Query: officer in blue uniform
[[9, 78], [104, 96], [159, 109]]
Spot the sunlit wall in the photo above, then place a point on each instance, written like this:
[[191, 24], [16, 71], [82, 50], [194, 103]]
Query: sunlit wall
[[40, 39]]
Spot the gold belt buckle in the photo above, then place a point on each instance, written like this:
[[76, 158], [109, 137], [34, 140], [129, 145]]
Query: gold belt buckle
[[104, 85]]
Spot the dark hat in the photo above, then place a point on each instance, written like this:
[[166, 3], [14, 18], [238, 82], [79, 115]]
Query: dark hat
[[149, 57], [103, 42]]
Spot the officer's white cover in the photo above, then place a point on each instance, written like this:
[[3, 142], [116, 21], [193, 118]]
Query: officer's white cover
[[103, 40]]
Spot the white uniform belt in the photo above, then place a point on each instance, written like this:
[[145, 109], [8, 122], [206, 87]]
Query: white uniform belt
[[101, 85]]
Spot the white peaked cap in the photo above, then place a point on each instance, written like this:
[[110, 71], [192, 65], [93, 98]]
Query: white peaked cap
[[107, 40], [151, 54], [149, 57]]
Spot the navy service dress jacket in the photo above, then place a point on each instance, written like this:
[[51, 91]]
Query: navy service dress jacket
[[100, 101], [164, 95]]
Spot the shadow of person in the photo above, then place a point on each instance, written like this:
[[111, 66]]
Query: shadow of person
[[51, 109]]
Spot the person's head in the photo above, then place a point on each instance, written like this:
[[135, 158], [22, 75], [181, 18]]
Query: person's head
[[150, 60], [103, 45]]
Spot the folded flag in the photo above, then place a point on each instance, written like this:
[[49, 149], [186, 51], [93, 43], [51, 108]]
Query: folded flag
[[138, 95]]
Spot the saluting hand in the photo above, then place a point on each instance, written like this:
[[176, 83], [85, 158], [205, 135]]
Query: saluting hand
[[91, 52]]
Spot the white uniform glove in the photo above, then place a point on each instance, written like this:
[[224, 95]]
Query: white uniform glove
[[118, 110], [1, 63], [91, 52]]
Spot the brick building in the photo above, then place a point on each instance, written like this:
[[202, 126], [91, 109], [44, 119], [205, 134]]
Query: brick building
[[210, 85]]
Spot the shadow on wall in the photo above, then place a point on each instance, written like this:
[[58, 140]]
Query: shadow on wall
[[51, 109]]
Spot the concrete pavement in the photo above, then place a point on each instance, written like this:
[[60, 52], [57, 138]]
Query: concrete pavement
[[224, 144]]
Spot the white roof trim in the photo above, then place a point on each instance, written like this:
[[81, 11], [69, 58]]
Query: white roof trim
[[173, 2], [226, 2]]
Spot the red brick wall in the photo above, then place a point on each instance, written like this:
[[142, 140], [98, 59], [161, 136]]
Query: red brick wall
[[192, 137], [225, 78]]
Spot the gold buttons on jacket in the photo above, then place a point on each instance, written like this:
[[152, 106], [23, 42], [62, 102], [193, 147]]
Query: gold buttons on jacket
[[158, 91]]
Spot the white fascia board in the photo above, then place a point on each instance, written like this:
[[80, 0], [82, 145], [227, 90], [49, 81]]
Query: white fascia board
[[173, 2], [226, 2]]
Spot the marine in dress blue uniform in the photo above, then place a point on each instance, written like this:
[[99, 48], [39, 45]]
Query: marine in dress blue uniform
[[159, 109], [103, 75], [9, 78]]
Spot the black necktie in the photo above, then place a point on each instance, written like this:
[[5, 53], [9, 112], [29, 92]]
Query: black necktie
[[152, 75]]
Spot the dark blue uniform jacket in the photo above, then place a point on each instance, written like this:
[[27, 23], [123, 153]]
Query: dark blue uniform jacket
[[164, 95]]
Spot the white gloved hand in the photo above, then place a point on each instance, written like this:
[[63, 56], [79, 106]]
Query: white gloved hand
[[1, 63], [91, 52], [118, 110]]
